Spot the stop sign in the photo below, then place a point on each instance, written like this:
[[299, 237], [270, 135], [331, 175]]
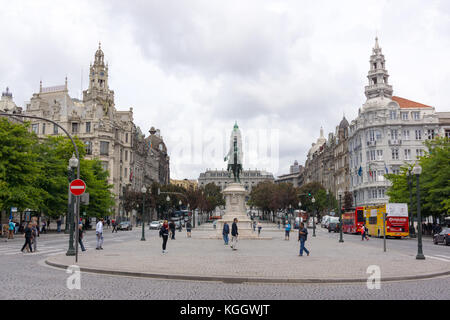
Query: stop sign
[[77, 187]]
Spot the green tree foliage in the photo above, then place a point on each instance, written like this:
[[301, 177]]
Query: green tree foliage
[[34, 174], [18, 167], [212, 197], [434, 181]]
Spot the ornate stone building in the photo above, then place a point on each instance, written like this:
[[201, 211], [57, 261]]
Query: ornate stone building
[[159, 150], [109, 135], [221, 178], [7, 105], [388, 133], [341, 163], [294, 177]]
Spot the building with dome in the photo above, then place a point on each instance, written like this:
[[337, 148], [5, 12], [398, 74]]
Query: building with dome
[[109, 135], [7, 104], [388, 133]]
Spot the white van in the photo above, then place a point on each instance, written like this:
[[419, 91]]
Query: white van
[[325, 221]]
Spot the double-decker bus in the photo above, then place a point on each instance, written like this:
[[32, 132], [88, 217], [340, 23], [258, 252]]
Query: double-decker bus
[[353, 220], [397, 222]]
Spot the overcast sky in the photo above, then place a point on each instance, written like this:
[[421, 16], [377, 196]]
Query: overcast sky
[[281, 69]]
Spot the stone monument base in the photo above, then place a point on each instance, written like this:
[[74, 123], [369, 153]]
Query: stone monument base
[[235, 208]]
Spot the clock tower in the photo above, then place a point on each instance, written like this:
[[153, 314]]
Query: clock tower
[[98, 83]]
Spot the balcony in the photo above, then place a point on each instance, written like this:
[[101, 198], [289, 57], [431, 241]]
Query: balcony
[[371, 143], [395, 142]]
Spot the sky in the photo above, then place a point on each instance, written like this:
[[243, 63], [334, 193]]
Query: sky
[[280, 69]]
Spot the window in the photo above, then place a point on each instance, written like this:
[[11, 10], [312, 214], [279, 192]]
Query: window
[[372, 155], [104, 148], [74, 127], [430, 134], [126, 155], [419, 153], [88, 127], [43, 128], [407, 154], [379, 155], [378, 135], [393, 115], [371, 136], [88, 146], [418, 134], [416, 115], [404, 115], [380, 193], [105, 165], [126, 173], [55, 129], [35, 128], [447, 133], [394, 134], [380, 175], [405, 134], [126, 137], [394, 154]]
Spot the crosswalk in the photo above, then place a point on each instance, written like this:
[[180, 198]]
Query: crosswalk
[[439, 257], [42, 249]]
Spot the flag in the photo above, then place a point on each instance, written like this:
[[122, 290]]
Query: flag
[[370, 172], [360, 171], [386, 168]]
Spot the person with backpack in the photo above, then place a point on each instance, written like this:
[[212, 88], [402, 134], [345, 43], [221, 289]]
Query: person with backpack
[[164, 234], [259, 228], [302, 237]]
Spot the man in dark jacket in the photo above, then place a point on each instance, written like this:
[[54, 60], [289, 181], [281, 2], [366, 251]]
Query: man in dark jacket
[[302, 236], [172, 228], [28, 237], [225, 232], [234, 234]]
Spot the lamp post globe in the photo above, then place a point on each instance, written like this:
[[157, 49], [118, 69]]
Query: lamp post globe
[[144, 191]]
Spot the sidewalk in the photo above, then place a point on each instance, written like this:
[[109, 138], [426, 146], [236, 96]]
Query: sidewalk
[[269, 261]]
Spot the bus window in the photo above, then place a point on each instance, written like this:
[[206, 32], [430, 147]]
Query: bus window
[[360, 217], [373, 220]]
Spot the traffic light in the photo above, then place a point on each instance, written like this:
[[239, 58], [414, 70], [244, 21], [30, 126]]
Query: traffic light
[[309, 194]]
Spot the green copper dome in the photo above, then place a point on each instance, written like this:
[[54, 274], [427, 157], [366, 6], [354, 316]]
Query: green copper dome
[[236, 126]]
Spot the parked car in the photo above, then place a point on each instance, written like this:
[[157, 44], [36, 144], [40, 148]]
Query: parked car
[[125, 225], [333, 224], [324, 222], [442, 237], [155, 225]]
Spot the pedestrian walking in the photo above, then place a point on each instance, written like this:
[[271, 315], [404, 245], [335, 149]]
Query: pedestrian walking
[[80, 236], [108, 223], [287, 230], [302, 237], [114, 225], [35, 229], [225, 232], [164, 234], [58, 225], [259, 228], [366, 232], [234, 234], [99, 233], [43, 228], [12, 226], [254, 225], [172, 228], [28, 234], [188, 229]]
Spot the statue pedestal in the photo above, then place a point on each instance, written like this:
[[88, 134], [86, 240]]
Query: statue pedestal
[[235, 208]]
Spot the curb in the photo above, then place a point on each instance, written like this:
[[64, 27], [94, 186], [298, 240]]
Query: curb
[[238, 280]]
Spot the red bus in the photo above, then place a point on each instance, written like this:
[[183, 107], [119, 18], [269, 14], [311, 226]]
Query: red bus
[[353, 220]]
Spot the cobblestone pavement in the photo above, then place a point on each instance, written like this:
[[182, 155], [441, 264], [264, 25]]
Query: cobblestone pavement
[[263, 259], [25, 276]]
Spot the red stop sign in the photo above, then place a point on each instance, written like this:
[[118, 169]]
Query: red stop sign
[[77, 187]]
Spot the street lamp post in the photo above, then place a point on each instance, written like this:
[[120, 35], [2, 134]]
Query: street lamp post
[[412, 231], [341, 239], [417, 171], [313, 200], [168, 203], [144, 191], [73, 163]]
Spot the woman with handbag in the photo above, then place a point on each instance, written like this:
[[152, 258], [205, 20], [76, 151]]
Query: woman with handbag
[[164, 234]]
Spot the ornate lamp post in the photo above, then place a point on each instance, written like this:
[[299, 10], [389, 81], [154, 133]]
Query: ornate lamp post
[[144, 191], [341, 239], [73, 163], [417, 170], [313, 200], [412, 231]]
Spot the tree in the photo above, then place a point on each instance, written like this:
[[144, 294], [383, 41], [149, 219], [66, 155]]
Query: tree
[[434, 180], [19, 170], [348, 200]]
